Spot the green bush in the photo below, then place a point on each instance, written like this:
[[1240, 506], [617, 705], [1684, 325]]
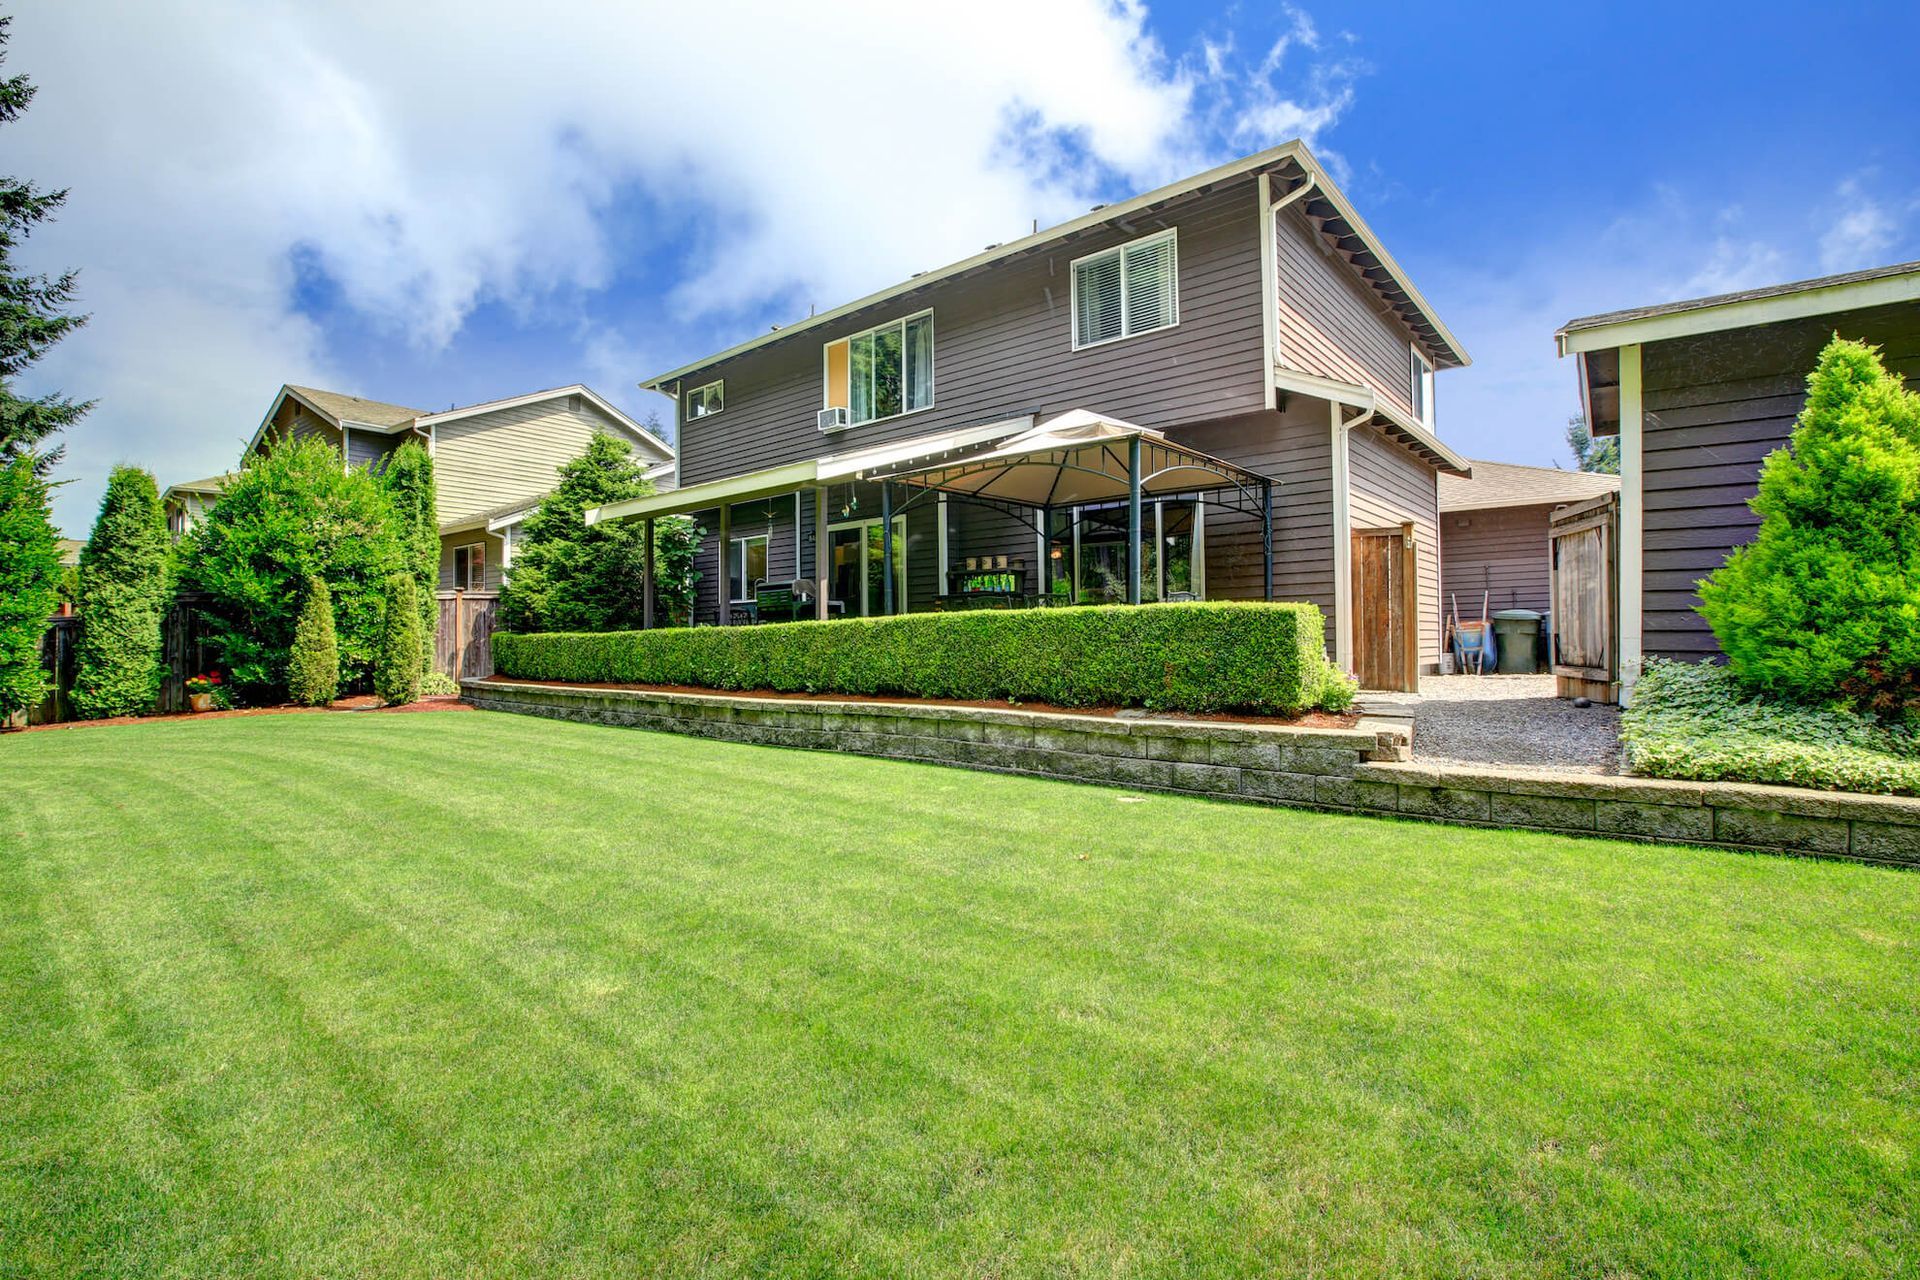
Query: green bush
[[290, 515], [438, 684], [408, 479], [1698, 722], [396, 675], [1824, 605], [123, 600], [29, 583], [1178, 657], [313, 666]]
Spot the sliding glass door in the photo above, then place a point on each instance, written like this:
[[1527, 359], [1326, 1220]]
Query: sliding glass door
[[857, 556]]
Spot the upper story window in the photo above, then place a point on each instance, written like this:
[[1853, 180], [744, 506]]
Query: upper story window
[[1422, 392], [885, 371], [708, 400], [1128, 290]]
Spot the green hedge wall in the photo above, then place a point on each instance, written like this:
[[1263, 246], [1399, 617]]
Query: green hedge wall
[[1169, 657]]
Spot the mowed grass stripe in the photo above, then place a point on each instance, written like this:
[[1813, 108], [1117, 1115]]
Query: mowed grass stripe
[[515, 995]]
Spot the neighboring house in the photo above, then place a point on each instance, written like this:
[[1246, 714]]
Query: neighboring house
[[492, 462], [187, 502], [1493, 532], [70, 549], [1242, 329], [1700, 392]]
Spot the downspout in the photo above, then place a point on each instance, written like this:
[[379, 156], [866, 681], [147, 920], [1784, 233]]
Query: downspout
[[1270, 273]]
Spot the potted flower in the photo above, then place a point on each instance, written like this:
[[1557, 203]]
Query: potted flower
[[201, 690]]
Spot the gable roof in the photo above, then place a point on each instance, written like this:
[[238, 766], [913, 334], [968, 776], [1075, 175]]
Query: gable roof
[[1822, 295], [337, 407], [212, 484], [1355, 240], [1508, 484]]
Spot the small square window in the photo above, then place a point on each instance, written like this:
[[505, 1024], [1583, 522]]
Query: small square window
[[704, 402]]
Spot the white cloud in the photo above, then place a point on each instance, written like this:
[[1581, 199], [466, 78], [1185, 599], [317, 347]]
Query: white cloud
[[1862, 232], [435, 157]]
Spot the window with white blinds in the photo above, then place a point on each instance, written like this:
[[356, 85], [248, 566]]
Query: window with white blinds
[[1128, 290]]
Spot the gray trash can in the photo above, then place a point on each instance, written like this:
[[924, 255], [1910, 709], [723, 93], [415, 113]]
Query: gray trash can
[[1516, 634]]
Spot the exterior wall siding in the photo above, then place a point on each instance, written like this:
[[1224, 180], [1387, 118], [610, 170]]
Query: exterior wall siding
[[364, 448], [1329, 323], [495, 553], [1391, 486], [1003, 346], [1501, 552], [486, 461], [1715, 406]]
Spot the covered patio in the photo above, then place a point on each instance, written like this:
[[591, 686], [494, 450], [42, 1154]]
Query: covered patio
[[1131, 482]]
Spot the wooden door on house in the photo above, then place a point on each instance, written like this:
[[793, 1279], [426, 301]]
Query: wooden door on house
[[1385, 606]]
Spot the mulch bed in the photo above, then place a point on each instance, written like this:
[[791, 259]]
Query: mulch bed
[[1312, 720], [359, 702]]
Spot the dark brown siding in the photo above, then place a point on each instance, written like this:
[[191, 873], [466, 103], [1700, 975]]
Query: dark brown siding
[[1391, 486], [1003, 346], [1715, 406], [1499, 555], [1329, 323]]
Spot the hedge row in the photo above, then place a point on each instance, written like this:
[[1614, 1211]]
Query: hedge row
[[1171, 657]]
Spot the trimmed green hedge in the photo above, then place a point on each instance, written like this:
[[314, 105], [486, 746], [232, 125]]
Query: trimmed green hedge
[[1697, 722], [1169, 657]]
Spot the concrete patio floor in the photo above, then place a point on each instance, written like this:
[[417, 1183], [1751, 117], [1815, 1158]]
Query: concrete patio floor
[[1513, 721]]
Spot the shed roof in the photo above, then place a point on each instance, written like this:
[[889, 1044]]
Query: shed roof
[[1508, 484]]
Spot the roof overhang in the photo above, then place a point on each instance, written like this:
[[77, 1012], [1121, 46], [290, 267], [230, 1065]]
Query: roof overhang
[[1356, 239], [1402, 426], [1738, 311], [834, 469]]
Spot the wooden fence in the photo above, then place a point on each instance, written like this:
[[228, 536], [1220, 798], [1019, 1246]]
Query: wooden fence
[[463, 642], [1582, 540], [57, 659]]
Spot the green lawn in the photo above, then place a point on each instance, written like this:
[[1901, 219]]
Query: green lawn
[[476, 995]]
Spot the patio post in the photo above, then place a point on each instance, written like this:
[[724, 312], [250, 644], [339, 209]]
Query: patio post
[[724, 582], [1133, 520], [1046, 555], [646, 578], [886, 548], [1266, 539], [820, 552]]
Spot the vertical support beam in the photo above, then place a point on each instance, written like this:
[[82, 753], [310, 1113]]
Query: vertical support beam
[[1266, 540], [1133, 520], [646, 579], [944, 583], [1046, 555], [1269, 290], [1633, 509], [723, 583], [1342, 544], [820, 553], [886, 548]]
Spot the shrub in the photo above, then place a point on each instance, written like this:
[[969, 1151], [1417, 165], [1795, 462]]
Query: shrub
[[408, 480], [29, 583], [123, 600], [313, 666], [396, 676], [1185, 657], [1824, 605], [1697, 721], [438, 684], [291, 515]]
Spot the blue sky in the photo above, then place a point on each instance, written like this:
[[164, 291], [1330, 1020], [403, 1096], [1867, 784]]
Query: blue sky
[[443, 203]]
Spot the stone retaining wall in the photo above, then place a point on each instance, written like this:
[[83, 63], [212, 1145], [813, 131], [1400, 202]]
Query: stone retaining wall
[[1363, 769]]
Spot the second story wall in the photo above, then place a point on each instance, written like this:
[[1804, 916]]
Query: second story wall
[[490, 459], [1003, 346]]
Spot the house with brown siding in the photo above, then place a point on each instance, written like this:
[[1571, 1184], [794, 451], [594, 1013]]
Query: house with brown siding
[[1493, 532], [1700, 392], [1244, 324]]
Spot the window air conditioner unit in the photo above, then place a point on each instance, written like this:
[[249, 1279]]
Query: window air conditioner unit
[[833, 419]]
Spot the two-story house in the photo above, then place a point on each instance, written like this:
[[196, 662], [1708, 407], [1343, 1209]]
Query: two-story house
[[492, 462], [1222, 389]]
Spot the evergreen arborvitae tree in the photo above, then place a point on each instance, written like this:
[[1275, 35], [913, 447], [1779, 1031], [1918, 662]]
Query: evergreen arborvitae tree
[[29, 583], [571, 576], [408, 479], [397, 671], [123, 600], [1590, 454], [1824, 605], [313, 666], [32, 307]]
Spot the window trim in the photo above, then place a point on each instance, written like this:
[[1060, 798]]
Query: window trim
[[826, 400], [1171, 235], [1420, 384], [745, 585], [470, 548], [721, 383]]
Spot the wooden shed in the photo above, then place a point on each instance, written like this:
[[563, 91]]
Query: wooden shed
[[1493, 531]]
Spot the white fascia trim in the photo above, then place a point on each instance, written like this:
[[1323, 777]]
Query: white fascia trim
[[1852, 296], [1365, 232], [512, 518], [1632, 522], [1269, 287], [1311, 384], [661, 448]]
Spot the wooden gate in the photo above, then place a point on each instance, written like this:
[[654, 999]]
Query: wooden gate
[[1386, 644], [1581, 541], [463, 642]]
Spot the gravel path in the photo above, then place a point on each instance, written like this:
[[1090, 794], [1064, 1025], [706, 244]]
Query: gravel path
[[1507, 720]]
